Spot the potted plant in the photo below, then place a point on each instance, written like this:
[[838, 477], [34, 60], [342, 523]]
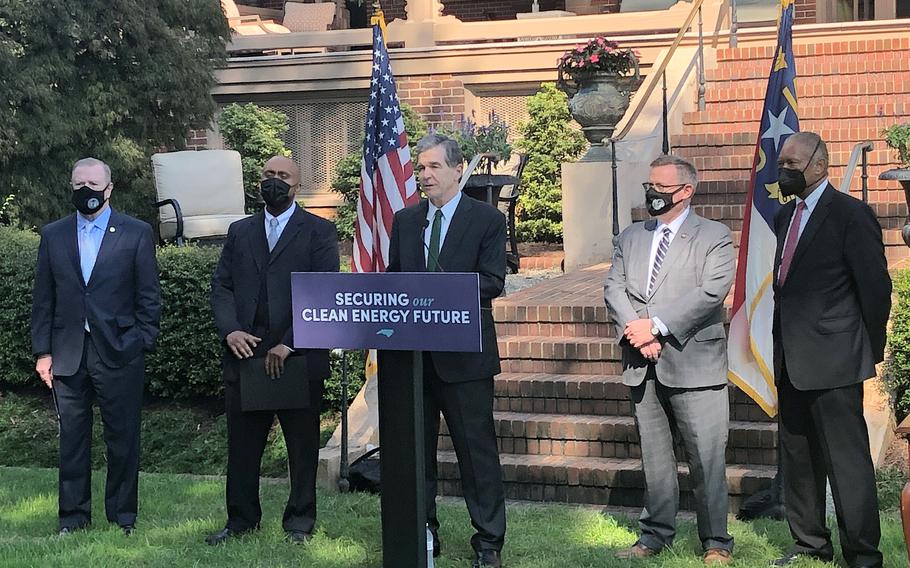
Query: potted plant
[[897, 137], [473, 139], [596, 75]]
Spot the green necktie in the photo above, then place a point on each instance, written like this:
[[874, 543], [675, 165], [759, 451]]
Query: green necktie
[[433, 254]]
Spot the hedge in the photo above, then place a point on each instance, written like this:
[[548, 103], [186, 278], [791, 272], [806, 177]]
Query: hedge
[[187, 361], [897, 364]]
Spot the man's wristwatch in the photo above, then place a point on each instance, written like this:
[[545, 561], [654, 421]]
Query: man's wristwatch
[[655, 331]]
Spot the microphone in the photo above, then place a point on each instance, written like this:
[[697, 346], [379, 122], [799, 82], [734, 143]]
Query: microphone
[[430, 255]]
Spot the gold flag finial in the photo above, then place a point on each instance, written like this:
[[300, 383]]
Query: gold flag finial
[[378, 18]]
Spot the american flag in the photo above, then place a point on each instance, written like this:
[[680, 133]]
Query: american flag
[[387, 181], [750, 348]]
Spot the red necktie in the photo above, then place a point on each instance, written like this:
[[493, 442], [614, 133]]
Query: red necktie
[[790, 246]]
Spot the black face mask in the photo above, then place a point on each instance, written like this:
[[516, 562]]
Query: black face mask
[[659, 203], [275, 193], [87, 200], [793, 182]]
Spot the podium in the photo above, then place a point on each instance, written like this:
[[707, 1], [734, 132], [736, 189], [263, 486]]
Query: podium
[[401, 314]]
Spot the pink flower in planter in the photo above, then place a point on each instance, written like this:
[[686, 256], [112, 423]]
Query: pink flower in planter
[[594, 58]]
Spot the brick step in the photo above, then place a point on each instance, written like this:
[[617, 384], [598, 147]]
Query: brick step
[[559, 348], [535, 312], [600, 481], [610, 437], [857, 85], [826, 108], [870, 48], [850, 63], [557, 366], [548, 329], [599, 395]]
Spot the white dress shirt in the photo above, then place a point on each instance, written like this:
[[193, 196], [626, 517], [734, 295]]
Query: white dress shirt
[[282, 220], [448, 210], [674, 227], [811, 201]]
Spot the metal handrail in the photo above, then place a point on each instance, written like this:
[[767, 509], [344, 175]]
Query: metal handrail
[[860, 151], [642, 100]]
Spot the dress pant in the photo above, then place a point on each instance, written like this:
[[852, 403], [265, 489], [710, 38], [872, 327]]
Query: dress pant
[[702, 418], [823, 436], [468, 410], [119, 396], [247, 436]]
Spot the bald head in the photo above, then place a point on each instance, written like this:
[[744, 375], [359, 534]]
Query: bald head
[[805, 152], [282, 168]]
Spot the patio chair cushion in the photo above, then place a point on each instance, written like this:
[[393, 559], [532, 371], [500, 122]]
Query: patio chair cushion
[[309, 17], [208, 185]]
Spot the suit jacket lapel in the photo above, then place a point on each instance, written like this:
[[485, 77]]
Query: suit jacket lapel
[[108, 241], [815, 221], [641, 253], [259, 246], [72, 245], [457, 228], [417, 231], [681, 242], [781, 235], [295, 223]]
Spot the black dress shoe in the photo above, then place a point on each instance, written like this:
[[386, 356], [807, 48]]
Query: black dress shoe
[[793, 557], [223, 535], [70, 530], [298, 537], [487, 559], [128, 529]]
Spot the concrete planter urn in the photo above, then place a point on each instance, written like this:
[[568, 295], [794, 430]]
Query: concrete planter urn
[[597, 102], [901, 175]]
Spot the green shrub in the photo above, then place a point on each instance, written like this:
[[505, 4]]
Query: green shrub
[[347, 174], [548, 140], [18, 253], [897, 364], [187, 361], [255, 132]]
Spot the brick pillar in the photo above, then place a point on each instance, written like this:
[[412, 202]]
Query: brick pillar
[[438, 98], [805, 12], [196, 140]]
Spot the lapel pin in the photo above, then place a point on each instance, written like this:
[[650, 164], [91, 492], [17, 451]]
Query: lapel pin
[[112, 229]]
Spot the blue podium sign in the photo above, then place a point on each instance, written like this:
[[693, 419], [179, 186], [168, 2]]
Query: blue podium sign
[[400, 311]]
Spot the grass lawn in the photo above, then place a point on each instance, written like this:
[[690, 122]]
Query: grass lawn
[[177, 511]]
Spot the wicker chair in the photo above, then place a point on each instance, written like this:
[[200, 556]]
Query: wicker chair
[[317, 17], [249, 25]]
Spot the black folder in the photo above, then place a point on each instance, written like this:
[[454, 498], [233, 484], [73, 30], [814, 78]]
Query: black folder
[[258, 391]]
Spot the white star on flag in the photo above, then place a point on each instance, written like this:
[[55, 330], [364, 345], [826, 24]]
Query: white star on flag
[[777, 127]]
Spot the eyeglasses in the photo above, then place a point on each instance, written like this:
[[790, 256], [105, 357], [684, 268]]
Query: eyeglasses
[[663, 188]]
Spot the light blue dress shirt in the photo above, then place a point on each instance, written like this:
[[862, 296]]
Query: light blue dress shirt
[[89, 235]]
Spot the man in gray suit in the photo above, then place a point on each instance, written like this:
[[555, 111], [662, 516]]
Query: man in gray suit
[[665, 292]]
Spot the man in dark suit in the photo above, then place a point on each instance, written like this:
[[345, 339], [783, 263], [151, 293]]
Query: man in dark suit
[[832, 298], [251, 299], [454, 233], [95, 313]]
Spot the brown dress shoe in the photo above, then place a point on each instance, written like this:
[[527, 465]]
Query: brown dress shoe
[[637, 550], [718, 556]]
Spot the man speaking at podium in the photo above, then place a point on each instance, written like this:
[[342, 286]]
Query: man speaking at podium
[[454, 233]]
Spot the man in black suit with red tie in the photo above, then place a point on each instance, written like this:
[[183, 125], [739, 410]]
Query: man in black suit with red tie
[[251, 299], [95, 312], [451, 232], [832, 298]]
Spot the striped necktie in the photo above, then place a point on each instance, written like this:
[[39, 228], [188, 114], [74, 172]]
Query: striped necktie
[[659, 258]]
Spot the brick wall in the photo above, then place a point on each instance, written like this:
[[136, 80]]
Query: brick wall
[[438, 98], [805, 12], [196, 140]]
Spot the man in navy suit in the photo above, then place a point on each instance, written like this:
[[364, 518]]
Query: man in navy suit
[[251, 300], [450, 232], [95, 312]]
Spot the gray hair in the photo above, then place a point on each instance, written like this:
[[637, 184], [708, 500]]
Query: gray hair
[[93, 162], [684, 168], [453, 154]]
